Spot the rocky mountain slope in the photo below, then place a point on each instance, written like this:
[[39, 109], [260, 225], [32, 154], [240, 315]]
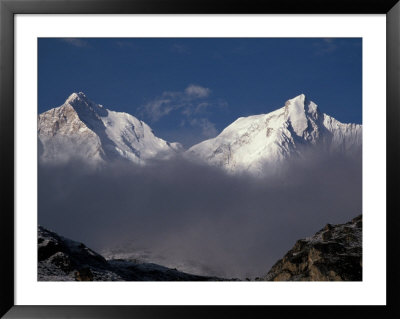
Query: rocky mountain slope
[[62, 259], [82, 129], [251, 143], [333, 253]]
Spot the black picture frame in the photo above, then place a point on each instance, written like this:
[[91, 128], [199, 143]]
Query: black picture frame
[[8, 8]]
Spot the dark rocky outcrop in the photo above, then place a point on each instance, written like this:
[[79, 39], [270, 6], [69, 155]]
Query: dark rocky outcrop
[[333, 253], [61, 259]]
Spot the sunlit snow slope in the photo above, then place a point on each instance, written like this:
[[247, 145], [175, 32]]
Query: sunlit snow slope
[[250, 143], [82, 129]]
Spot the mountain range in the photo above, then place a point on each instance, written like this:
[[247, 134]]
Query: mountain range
[[82, 129]]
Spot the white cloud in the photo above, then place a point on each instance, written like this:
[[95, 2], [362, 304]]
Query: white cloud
[[179, 48], [326, 46], [201, 107], [208, 129], [80, 43], [192, 105], [124, 44], [158, 108], [188, 101], [197, 91]]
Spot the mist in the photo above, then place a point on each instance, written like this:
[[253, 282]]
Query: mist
[[232, 226]]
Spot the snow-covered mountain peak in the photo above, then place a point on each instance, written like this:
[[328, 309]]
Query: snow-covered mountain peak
[[251, 142], [298, 111], [81, 128], [77, 97], [301, 98], [300, 104], [84, 107]]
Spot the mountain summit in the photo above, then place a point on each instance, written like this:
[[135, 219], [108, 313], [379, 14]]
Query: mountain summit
[[82, 129], [250, 143]]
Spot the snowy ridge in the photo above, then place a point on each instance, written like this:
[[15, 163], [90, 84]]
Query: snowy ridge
[[85, 130], [250, 143]]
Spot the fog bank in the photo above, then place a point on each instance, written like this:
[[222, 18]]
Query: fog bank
[[230, 225]]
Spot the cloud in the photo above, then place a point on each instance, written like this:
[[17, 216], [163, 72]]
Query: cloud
[[202, 106], [158, 108], [79, 43], [199, 216], [169, 101], [197, 91], [326, 46], [124, 44], [179, 48], [193, 108], [208, 129], [190, 102]]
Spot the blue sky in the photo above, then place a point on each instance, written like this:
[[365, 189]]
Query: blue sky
[[189, 89]]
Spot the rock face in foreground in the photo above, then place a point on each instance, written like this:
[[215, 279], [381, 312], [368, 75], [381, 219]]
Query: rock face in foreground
[[332, 254], [61, 259]]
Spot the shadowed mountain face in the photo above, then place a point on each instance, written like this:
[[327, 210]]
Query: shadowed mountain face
[[62, 259], [333, 253]]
